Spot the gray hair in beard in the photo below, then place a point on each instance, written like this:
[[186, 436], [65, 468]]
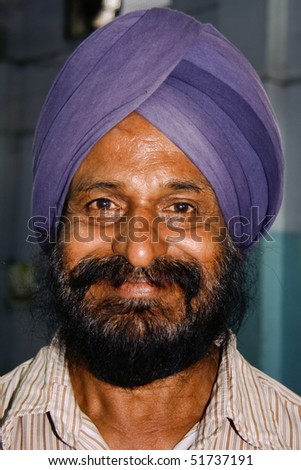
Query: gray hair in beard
[[132, 342]]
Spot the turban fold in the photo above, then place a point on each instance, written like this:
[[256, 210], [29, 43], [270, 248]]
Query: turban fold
[[187, 80]]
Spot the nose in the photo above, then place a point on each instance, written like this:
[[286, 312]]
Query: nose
[[138, 240]]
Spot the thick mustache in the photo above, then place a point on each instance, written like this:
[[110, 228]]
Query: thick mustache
[[116, 270]]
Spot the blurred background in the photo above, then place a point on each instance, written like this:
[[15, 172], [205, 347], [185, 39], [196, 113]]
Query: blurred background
[[36, 37]]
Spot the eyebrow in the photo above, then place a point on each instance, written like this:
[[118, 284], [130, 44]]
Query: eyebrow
[[187, 185], [85, 186], [175, 185]]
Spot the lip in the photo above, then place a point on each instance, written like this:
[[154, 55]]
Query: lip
[[138, 289]]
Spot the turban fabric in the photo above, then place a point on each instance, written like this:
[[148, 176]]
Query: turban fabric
[[187, 80]]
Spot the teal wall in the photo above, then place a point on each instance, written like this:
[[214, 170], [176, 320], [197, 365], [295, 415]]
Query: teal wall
[[271, 337]]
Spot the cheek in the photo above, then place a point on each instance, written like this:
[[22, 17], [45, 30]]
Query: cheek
[[205, 250], [81, 239], [209, 253], [204, 244]]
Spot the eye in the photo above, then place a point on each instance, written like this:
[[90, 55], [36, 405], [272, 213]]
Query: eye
[[104, 206], [182, 208]]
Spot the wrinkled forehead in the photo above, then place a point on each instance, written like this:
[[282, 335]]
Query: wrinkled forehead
[[135, 150]]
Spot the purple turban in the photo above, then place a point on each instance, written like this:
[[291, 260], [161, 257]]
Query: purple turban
[[187, 80]]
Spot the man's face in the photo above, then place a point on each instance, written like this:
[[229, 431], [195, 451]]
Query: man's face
[[137, 195], [144, 263]]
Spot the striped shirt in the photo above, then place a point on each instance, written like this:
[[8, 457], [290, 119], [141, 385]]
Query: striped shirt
[[247, 410]]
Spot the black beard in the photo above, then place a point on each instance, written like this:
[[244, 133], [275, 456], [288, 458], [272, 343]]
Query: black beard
[[132, 342]]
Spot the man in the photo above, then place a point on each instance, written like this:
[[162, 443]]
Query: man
[[157, 167]]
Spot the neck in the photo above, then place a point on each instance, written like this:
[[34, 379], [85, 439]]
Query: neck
[[154, 416]]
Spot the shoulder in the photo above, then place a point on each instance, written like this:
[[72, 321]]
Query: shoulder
[[257, 382], [269, 407], [283, 401], [18, 381], [29, 392]]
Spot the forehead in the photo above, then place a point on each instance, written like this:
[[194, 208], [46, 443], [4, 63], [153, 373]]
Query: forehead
[[134, 148]]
